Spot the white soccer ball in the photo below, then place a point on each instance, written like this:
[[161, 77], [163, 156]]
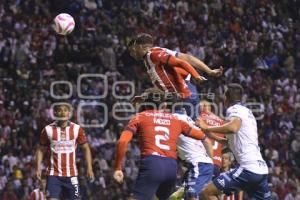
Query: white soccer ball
[[64, 24]]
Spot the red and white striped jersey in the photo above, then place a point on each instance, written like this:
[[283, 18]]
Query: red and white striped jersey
[[62, 144], [167, 73], [37, 194]]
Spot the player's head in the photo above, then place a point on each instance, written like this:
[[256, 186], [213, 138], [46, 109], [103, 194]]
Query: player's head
[[205, 106], [138, 45], [233, 94], [226, 160], [62, 111]]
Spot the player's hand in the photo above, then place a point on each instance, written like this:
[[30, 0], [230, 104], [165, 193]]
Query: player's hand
[[200, 79], [90, 175], [38, 174], [216, 72], [118, 176], [223, 141]]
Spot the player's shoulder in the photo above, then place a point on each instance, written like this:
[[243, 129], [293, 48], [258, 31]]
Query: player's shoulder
[[155, 113], [237, 109]]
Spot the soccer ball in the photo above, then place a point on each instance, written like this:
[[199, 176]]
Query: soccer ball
[[64, 24]]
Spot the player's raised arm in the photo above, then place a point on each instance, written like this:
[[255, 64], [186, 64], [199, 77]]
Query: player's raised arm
[[197, 63], [176, 62]]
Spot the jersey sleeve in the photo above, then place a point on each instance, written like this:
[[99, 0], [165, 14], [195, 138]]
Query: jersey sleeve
[[234, 111], [192, 131], [132, 125], [171, 52], [160, 57], [81, 139], [44, 140]]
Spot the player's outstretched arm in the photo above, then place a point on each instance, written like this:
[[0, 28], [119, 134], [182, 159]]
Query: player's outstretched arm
[[176, 62], [230, 127], [125, 138], [197, 63], [88, 159]]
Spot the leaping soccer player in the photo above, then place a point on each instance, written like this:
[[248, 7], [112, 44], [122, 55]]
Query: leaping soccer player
[[171, 71]]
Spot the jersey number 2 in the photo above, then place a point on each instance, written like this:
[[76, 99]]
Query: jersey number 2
[[159, 138]]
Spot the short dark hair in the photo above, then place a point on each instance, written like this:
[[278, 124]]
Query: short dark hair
[[59, 104], [234, 93], [141, 39]]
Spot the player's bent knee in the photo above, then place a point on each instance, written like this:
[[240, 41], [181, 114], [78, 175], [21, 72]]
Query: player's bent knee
[[209, 191]]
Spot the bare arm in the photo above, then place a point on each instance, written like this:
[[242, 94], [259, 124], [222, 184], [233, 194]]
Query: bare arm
[[88, 160], [39, 156], [208, 146], [231, 127], [197, 63]]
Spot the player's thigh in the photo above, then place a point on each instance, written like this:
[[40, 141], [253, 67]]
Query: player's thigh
[[53, 187], [168, 178], [231, 181], [210, 192], [200, 174], [148, 179], [71, 187], [262, 191]]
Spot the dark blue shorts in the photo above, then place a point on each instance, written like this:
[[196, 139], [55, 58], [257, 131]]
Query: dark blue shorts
[[157, 176], [198, 176], [192, 102], [256, 185], [217, 171], [56, 185]]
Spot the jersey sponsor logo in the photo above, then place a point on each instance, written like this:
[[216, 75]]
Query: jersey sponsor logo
[[212, 122], [65, 146], [162, 121]]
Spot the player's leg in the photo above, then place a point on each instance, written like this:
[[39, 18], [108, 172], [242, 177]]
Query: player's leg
[[228, 182], [71, 185], [168, 175], [178, 194], [258, 189], [210, 192], [53, 188], [149, 178], [200, 175]]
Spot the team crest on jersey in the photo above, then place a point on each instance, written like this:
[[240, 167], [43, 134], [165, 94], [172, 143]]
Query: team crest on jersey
[[221, 181]]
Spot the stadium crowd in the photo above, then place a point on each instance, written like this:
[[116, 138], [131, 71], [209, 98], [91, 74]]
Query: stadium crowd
[[256, 41]]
